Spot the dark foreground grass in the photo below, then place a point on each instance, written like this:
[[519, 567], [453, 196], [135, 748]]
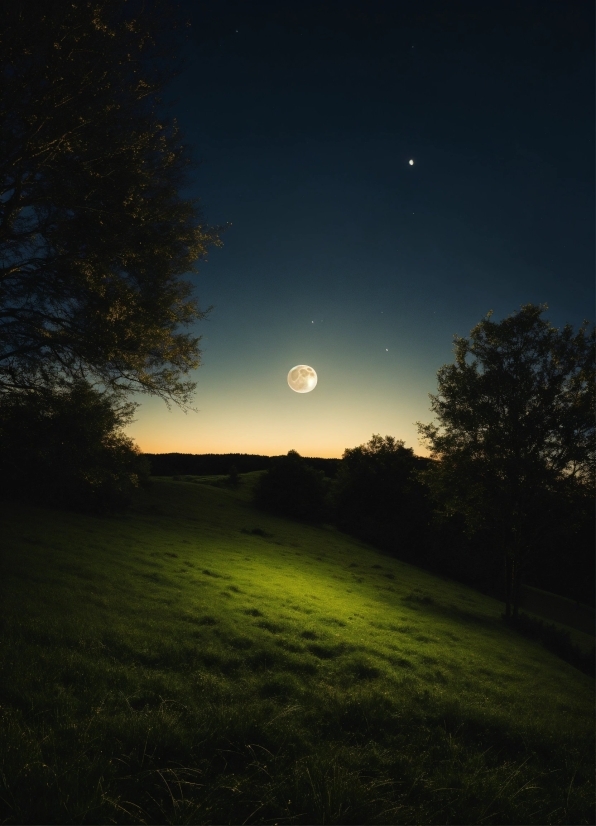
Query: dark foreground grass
[[198, 662]]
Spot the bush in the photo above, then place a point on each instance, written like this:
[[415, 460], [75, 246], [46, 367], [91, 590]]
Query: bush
[[232, 480], [66, 447], [292, 488]]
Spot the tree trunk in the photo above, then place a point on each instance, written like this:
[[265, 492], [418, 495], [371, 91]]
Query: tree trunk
[[516, 582], [508, 584]]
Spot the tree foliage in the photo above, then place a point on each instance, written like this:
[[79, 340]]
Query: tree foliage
[[66, 446], [379, 497], [292, 488], [515, 433], [94, 233]]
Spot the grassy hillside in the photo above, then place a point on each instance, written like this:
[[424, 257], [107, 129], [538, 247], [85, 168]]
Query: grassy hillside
[[196, 661]]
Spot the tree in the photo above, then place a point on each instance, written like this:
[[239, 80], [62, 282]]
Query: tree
[[515, 440], [94, 234], [66, 447], [379, 497], [292, 488]]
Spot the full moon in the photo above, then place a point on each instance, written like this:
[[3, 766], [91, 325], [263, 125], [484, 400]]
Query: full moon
[[302, 378], [411, 162]]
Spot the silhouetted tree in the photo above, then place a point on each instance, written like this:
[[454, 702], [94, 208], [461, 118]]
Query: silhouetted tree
[[292, 488], [94, 234], [515, 434], [67, 447], [379, 497]]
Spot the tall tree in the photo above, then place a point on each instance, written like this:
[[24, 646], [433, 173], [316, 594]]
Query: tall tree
[[95, 237], [515, 437]]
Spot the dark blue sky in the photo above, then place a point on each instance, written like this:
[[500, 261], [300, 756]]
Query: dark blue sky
[[343, 256]]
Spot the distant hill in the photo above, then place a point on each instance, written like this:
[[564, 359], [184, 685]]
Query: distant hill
[[206, 464]]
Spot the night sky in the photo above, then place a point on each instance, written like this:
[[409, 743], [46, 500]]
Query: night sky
[[342, 255]]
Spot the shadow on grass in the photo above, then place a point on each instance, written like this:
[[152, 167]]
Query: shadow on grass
[[556, 640]]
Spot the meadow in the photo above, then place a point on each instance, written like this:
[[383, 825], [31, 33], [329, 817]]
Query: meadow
[[197, 661]]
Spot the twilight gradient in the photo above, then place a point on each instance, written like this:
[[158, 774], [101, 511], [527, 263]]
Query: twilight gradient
[[345, 255]]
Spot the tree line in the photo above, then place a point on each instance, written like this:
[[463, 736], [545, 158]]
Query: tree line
[[381, 496], [205, 464]]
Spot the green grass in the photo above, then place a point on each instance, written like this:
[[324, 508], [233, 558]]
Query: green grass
[[196, 661]]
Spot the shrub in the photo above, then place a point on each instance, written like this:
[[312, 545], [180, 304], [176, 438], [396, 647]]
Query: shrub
[[66, 447], [232, 479], [292, 488]]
